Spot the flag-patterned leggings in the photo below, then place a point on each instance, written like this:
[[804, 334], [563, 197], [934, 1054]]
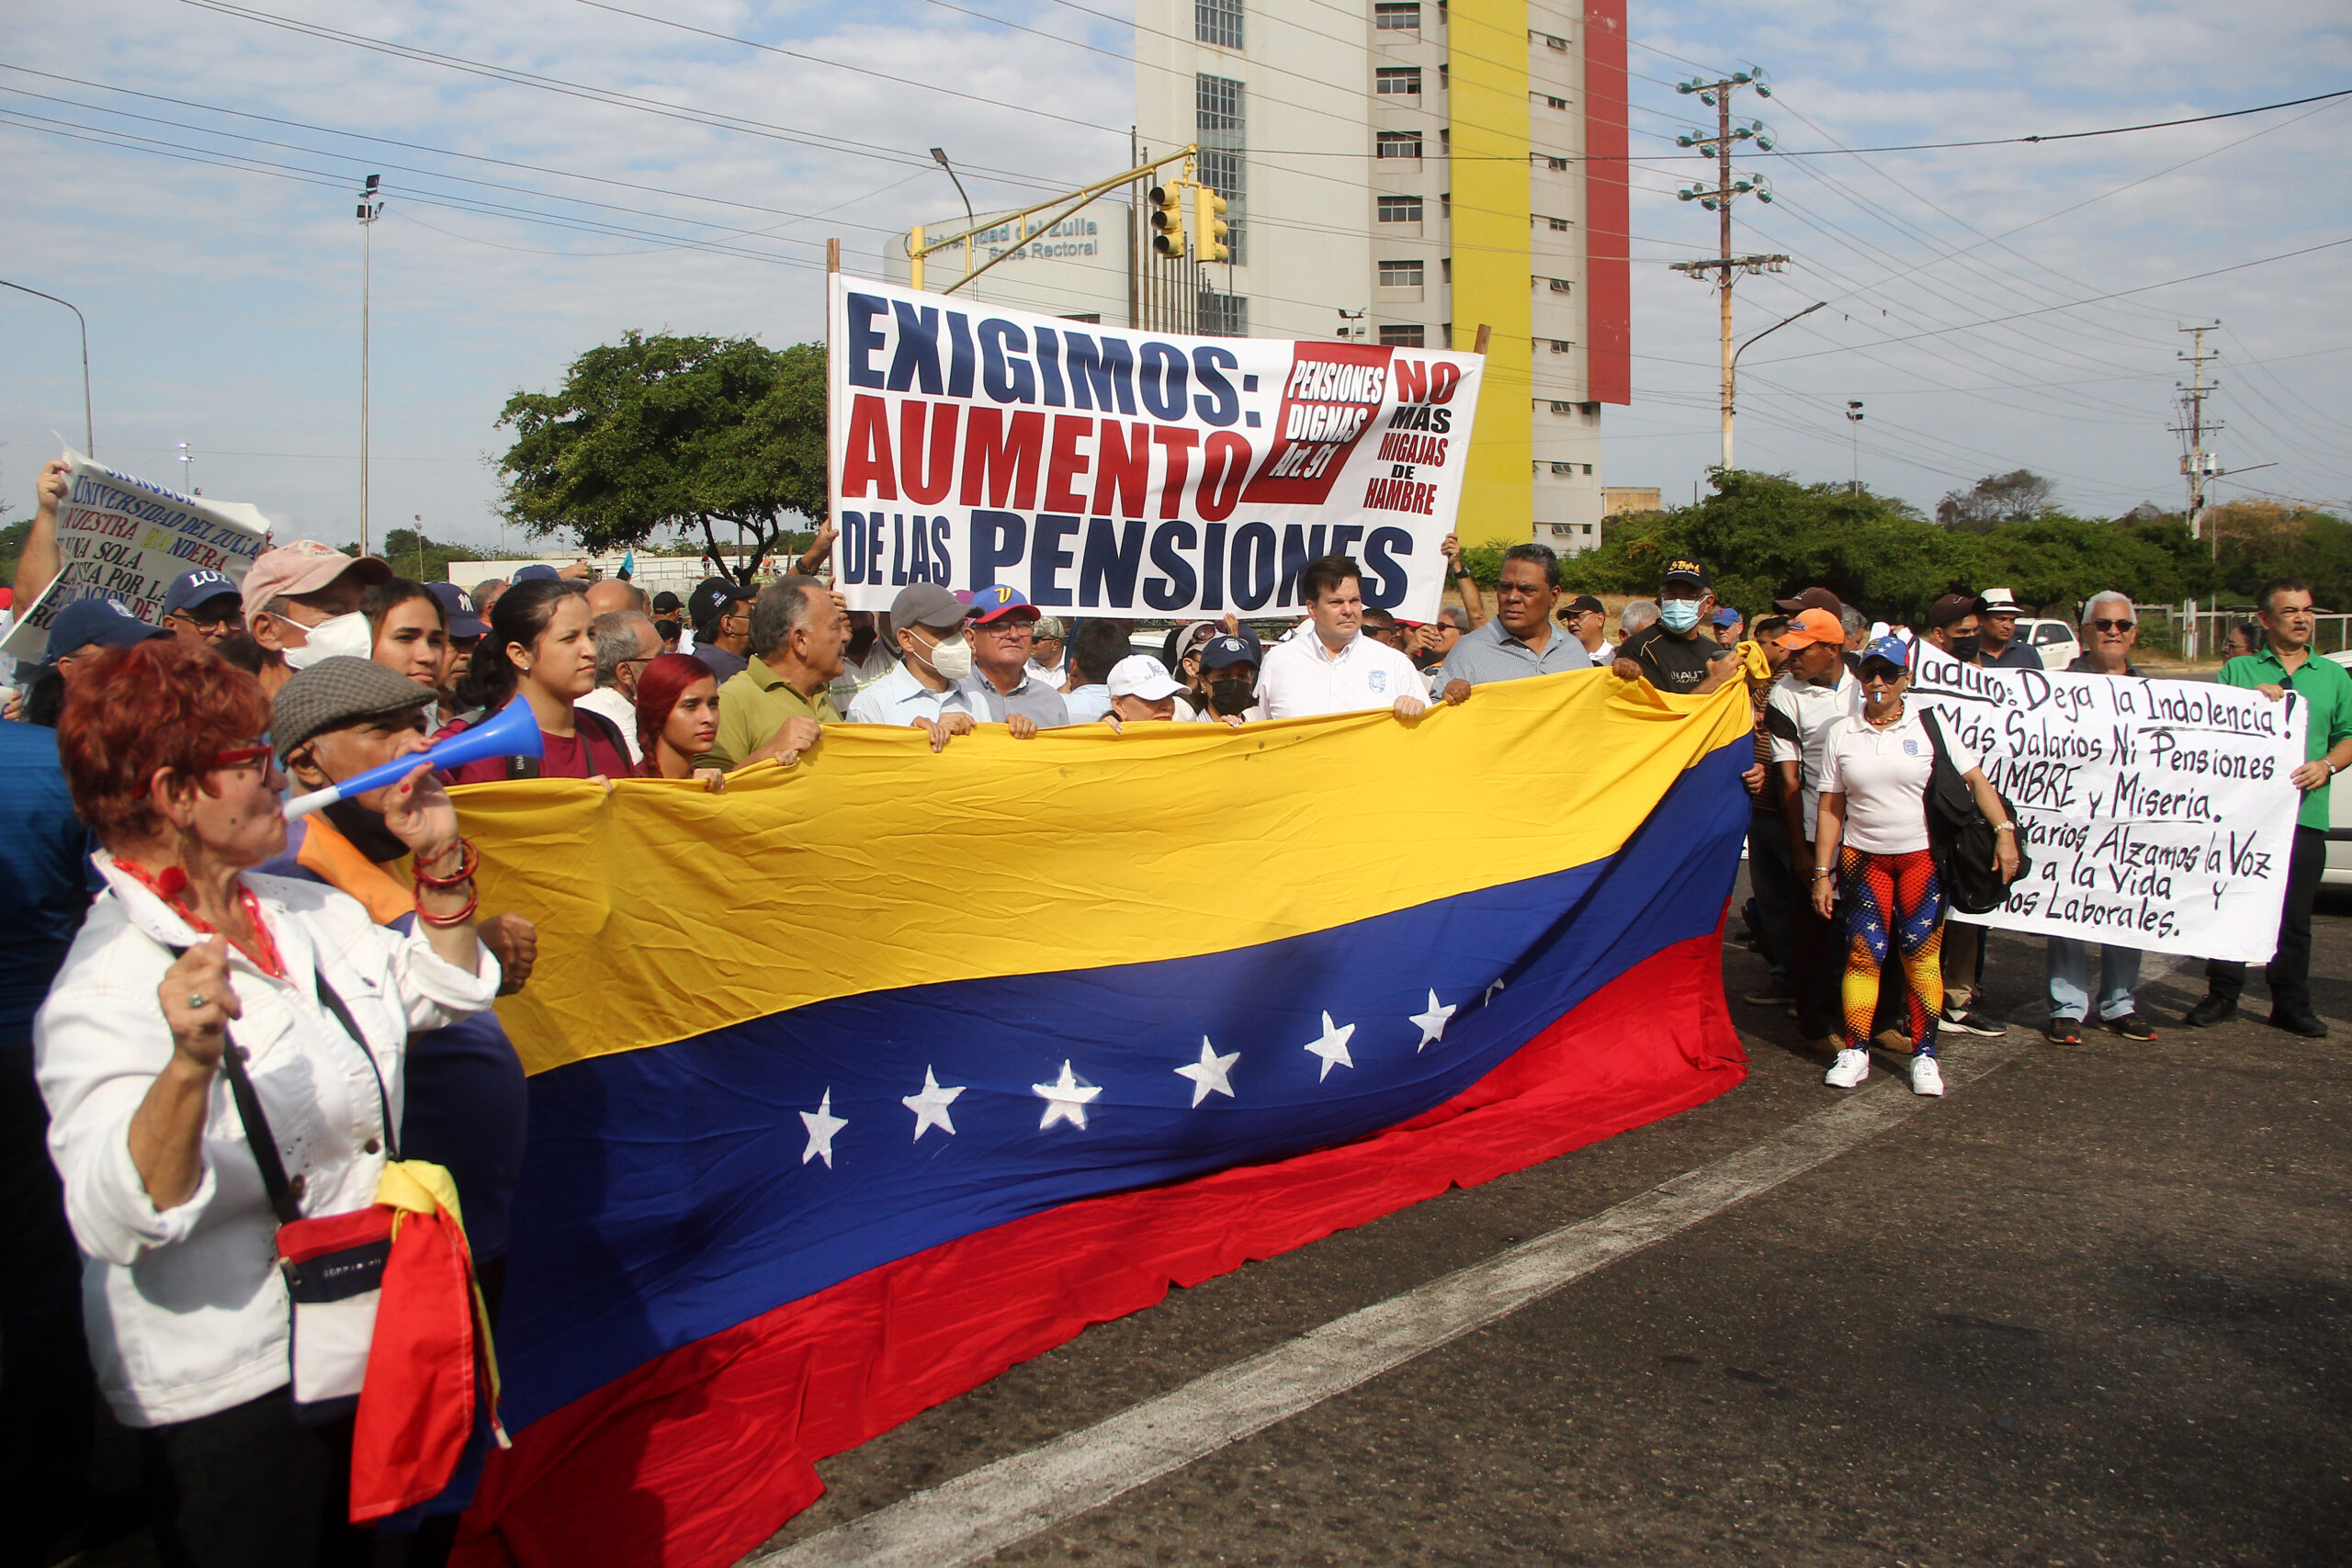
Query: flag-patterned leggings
[[1893, 902]]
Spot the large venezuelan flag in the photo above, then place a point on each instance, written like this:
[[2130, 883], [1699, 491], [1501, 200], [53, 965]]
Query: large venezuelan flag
[[866, 1080]]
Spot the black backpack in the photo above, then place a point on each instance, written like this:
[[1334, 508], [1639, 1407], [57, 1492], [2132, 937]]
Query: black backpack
[[1961, 840]]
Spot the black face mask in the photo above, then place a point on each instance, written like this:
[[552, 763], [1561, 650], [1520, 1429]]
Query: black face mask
[[366, 831], [1231, 696], [1966, 648], [861, 641]]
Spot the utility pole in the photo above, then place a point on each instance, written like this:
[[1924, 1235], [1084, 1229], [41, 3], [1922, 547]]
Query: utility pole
[[2196, 465], [1724, 266], [369, 211]]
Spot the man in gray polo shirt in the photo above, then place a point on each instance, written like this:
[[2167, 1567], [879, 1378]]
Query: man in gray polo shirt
[[1520, 640]]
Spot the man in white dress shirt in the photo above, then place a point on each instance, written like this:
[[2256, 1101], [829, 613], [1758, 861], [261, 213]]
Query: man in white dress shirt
[[1335, 667]]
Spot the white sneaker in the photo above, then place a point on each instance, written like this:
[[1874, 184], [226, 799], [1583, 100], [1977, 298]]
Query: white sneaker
[[1925, 1077], [1852, 1068]]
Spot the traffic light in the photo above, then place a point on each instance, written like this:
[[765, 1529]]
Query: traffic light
[[1167, 219], [1209, 226]]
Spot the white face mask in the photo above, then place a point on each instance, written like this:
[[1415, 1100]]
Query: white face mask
[[337, 637], [950, 660]]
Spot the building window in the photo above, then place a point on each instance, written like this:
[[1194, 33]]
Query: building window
[[1397, 144], [1398, 79], [1445, 269], [1553, 41], [1557, 222], [1092, 317], [1217, 22], [1223, 315], [1445, 203], [1390, 17], [1564, 408], [1553, 163], [1400, 275], [1400, 209], [1563, 468], [1552, 103], [1561, 345], [1559, 285], [1411, 334], [1218, 106]]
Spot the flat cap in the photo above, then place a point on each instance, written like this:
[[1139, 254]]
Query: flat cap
[[336, 692]]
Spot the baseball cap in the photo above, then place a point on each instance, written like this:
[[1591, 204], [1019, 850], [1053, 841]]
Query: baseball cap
[[1952, 608], [1585, 605], [712, 596], [665, 601], [534, 573], [998, 602], [335, 692], [1226, 650], [1998, 601], [193, 588], [100, 621], [1728, 617], [1684, 568], [926, 605], [1811, 599], [1891, 650], [1050, 629], [1810, 627], [457, 609], [305, 566], [1140, 675]]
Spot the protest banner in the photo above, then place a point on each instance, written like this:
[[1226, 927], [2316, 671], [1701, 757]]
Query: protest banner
[[2158, 813], [1134, 473], [125, 538]]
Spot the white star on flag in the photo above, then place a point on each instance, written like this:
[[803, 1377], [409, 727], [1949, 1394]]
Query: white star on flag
[[1332, 1047], [930, 1106], [1209, 1072], [822, 1124], [1065, 1100], [1433, 1023]]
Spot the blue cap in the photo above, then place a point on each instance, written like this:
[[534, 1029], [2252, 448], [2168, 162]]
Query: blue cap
[[194, 588], [99, 621], [995, 603], [1891, 648], [1728, 617], [457, 609], [1228, 649], [533, 573]]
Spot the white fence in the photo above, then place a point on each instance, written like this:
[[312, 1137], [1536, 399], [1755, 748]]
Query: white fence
[[2197, 633]]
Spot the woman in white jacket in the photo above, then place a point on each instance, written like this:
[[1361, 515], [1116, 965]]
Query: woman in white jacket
[[186, 1312]]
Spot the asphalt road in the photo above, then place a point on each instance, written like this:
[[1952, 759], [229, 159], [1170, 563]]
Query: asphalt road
[[2096, 1307]]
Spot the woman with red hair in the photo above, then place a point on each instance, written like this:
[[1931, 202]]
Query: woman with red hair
[[189, 1314], [677, 718]]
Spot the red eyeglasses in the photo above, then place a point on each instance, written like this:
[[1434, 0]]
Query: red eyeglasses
[[244, 756]]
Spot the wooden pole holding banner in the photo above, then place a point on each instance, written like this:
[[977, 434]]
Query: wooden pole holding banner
[[1479, 348], [832, 479]]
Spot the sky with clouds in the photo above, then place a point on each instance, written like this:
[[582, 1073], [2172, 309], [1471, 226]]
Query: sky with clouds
[[557, 171]]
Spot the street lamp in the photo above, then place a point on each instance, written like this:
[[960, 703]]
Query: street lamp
[[939, 155], [1731, 367], [1854, 418], [188, 473], [89, 440], [369, 211]]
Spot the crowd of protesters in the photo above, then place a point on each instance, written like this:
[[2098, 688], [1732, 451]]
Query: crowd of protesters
[[173, 928]]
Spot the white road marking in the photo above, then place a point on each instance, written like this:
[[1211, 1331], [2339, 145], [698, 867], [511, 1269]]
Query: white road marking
[[988, 1509]]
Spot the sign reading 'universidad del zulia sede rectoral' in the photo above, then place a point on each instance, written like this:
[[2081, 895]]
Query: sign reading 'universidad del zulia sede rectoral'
[[1123, 473]]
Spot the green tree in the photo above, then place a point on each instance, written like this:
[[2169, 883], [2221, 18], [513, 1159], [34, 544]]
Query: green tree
[[12, 545], [2013, 497], [416, 554], [661, 436], [2263, 539]]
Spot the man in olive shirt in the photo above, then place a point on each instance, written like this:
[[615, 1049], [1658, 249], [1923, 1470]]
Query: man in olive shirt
[[2287, 660], [775, 707], [1679, 652]]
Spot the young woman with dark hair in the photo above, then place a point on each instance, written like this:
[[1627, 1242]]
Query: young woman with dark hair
[[538, 649], [408, 631], [677, 718]]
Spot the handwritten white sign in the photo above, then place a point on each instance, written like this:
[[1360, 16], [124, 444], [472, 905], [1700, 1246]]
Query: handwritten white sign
[[127, 539], [2159, 814]]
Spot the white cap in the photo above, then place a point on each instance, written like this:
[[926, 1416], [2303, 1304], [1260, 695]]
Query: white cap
[[1141, 675], [1999, 602]]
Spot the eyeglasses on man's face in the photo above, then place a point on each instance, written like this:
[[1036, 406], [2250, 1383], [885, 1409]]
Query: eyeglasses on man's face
[[2106, 626]]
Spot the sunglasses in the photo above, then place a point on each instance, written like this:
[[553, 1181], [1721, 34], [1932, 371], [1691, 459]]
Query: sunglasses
[[2113, 625]]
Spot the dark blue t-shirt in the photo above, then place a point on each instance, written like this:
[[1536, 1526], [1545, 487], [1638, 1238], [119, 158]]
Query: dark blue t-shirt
[[44, 875]]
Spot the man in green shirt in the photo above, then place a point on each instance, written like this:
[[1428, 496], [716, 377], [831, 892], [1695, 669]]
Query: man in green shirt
[[775, 707], [2287, 660]]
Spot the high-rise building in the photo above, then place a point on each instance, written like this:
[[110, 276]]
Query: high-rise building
[[1410, 170]]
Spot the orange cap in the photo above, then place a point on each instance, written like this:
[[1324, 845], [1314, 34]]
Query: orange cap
[[1809, 626]]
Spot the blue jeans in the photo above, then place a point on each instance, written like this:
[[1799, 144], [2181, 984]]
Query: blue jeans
[[2069, 963]]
